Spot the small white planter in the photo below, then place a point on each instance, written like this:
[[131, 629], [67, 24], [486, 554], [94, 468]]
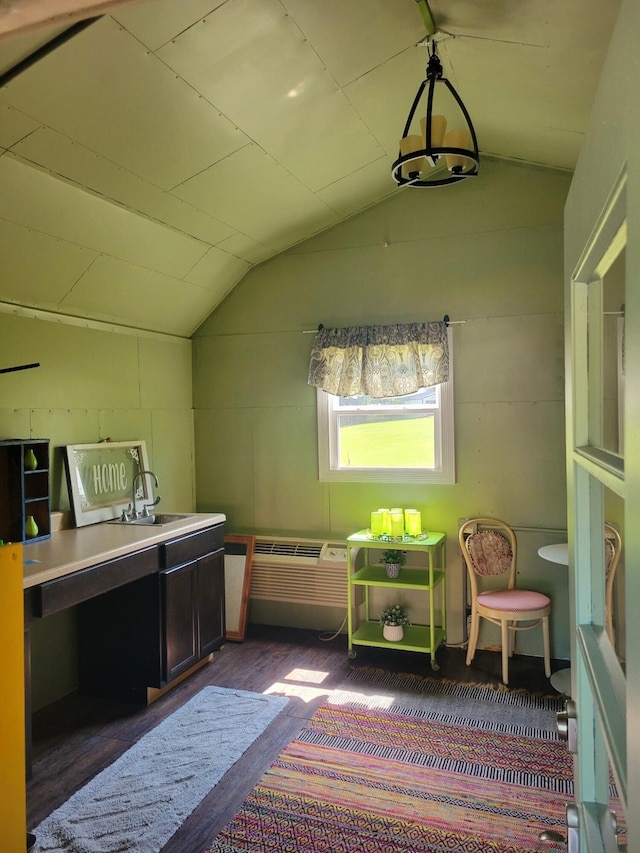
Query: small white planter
[[393, 633], [392, 570]]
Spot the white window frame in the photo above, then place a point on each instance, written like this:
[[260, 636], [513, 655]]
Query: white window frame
[[443, 471]]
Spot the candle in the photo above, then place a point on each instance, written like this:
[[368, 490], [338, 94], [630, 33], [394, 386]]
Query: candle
[[409, 144], [377, 523], [397, 522], [458, 139], [413, 522], [386, 519], [438, 127]]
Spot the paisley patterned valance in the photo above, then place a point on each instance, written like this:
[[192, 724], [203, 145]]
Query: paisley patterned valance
[[380, 361]]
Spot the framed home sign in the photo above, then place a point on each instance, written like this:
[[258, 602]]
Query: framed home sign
[[100, 478]]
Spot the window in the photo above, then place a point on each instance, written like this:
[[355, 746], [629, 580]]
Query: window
[[393, 440]]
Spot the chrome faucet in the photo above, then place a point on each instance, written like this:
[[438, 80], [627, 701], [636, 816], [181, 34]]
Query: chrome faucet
[[132, 512]]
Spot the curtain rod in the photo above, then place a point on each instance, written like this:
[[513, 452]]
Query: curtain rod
[[445, 319]]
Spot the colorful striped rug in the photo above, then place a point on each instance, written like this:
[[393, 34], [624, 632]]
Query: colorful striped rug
[[414, 777]]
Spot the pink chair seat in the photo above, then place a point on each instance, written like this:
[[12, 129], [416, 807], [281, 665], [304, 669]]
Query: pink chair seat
[[518, 600]]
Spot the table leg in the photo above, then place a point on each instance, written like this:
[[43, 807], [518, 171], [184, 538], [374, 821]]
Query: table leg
[[561, 681]]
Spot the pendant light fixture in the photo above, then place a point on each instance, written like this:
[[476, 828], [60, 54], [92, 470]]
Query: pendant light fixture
[[439, 144]]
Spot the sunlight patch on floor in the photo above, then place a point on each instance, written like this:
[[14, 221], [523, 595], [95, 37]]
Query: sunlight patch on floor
[[311, 676], [300, 691], [379, 701], [297, 683]]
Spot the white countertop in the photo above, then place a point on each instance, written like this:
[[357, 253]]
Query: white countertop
[[71, 550]]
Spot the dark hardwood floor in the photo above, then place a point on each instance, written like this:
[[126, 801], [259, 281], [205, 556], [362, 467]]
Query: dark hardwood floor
[[74, 738]]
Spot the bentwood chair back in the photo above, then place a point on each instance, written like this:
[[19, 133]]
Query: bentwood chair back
[[489, 550], [612, 550]]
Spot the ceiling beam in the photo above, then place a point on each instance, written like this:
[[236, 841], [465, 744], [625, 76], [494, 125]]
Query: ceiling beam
[[24, 15]]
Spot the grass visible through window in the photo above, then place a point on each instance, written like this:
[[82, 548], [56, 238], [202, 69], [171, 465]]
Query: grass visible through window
[[404, 443]]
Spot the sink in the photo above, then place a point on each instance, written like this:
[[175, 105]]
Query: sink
[[158, 520]]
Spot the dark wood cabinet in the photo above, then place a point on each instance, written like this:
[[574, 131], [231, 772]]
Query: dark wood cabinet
[[211, 604], [193, 610], [153, 629], [179, 593]]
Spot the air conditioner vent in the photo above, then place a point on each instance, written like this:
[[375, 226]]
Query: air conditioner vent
[[299, 571], [300, 550]]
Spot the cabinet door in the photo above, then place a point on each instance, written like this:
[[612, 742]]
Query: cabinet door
[[180, 627], [211, 602]]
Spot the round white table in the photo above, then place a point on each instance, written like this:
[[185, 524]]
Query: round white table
[[558, 553]]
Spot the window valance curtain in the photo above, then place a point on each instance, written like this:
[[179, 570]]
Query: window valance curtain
[[380, 361]]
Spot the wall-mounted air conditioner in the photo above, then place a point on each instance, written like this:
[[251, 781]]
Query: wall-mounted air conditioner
[[299, 571]]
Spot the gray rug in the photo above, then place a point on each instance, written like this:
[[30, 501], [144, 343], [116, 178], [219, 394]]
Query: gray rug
[[494, 708], [138, 802]]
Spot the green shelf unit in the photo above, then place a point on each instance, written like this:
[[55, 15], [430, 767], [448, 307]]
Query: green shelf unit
[[410, 578], [416, 637], [429, 579]]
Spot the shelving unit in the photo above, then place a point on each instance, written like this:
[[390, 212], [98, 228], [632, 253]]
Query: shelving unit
[[427, 579], [24, 491]]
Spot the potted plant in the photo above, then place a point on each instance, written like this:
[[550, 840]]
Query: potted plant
[[393, 620], [393, 560]]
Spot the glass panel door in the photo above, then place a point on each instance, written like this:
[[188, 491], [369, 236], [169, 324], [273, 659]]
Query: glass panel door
[[596, 496]]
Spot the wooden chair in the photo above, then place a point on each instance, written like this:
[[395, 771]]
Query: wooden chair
[[489, 550], [612, 549]]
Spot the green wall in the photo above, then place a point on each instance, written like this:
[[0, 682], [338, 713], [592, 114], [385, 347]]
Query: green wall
[[486, 251], [94, 382]]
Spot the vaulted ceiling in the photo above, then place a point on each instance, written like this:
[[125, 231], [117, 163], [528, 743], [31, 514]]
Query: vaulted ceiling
[[148, 162]]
